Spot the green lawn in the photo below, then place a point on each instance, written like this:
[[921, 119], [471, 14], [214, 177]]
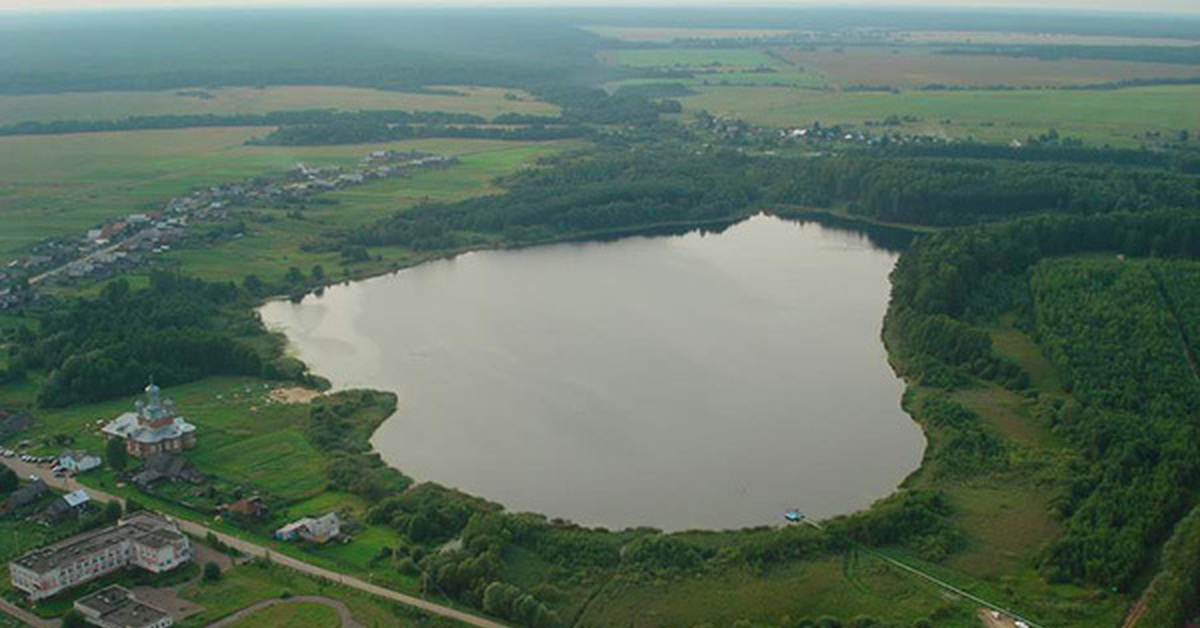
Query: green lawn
[[484, 101], [254, 582], [292, 615]]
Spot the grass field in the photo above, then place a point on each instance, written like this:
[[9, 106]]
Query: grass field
[[485, 101], [57, 185], [247, 584], [292, 615], [908, 67], [1001, 37], [1114, 117], [669, 33], [270, 248], [693, 57]]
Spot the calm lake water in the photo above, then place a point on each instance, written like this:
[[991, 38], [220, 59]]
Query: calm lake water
[[707, 380]]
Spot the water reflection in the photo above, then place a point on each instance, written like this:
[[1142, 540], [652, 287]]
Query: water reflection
[[709, 379]]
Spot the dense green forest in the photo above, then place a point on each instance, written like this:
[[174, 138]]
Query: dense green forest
[[360, 47], [177, 330], [621, 189], [1110, 327]]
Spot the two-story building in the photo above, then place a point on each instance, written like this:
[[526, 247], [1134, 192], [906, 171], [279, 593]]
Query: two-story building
[[142, 539]]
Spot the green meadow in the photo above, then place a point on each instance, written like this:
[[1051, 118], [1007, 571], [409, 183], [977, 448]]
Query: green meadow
[[693, 57], [62, 185], [1113, 117], [485, 101], [259, 581]]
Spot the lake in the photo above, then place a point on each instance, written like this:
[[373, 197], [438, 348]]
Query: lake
[[703, 380]]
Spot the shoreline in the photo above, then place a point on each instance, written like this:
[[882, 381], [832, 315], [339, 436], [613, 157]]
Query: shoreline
[[821, 217]]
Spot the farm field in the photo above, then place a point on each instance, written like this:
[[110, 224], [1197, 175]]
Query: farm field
[[1115, 117], [718, 66], [1001, 37], [271, 247], [54, 185], [907, 66], [484, 101], [693, 57], [668, 33]]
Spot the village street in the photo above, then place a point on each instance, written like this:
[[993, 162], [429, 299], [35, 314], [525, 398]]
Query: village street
[[24, 470]]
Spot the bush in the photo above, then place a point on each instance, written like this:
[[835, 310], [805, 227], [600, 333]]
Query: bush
[[212, 571], [118, 457]]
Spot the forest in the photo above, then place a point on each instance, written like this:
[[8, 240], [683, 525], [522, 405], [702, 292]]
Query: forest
[[176, 330], [1110, 327], [617, 189]]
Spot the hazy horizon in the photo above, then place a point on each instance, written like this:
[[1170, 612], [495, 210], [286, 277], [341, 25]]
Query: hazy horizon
[[1146, 6]]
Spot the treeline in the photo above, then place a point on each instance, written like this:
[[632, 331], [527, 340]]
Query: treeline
[[341, 425], [597, 193], [1182, 161], [947, 192], [583, 105], [177, 330], [1137, 432], [473, 571], [620, 189], [1173, 597], [275, 118], [378, 48]]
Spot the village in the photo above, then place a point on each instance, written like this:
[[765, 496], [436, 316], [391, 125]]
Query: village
[[132, 241], [118, 546]]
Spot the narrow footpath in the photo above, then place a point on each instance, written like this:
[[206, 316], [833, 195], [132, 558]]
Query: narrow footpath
[[24, 469]]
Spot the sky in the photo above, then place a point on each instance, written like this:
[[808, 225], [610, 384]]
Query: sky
[[1158, 6]]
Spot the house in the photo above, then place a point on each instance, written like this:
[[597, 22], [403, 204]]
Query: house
[[25, 495], [153, 428], [315, 530], [116, 607], [66, 507], [166, 467], [143, 539], [78, 461]]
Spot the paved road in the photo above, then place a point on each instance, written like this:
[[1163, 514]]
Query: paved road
[[24, 469], [342, 611]]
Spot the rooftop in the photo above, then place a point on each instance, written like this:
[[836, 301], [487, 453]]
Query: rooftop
[[117, 606], [105, 600], [70, 550]]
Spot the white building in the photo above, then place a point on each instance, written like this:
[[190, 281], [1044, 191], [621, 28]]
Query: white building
[[317, 530], [78, 461], [142, 539]]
